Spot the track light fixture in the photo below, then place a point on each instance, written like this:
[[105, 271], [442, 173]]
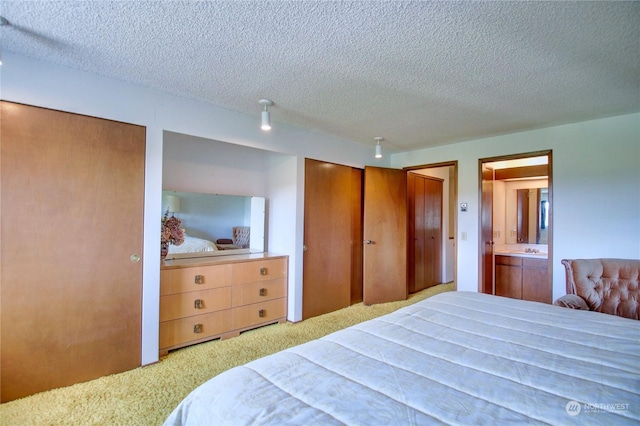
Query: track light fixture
[[266, 117], [378, 147]]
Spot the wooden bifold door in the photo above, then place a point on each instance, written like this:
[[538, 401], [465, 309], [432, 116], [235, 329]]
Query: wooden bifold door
[[71, 243], [425, 231]]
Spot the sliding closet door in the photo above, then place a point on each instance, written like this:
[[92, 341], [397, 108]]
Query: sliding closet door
[[331, 274], [71, 218]]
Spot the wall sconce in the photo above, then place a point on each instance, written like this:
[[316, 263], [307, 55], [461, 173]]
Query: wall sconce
[[266, 117], [378, 147]]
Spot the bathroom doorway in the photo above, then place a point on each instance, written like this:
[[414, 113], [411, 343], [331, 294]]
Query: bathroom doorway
[[516, 226]]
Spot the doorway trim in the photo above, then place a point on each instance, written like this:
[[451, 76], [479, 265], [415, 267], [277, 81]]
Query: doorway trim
[[482, 241]]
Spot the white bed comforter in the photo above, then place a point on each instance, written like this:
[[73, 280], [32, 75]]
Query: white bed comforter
[[192, 245], [456, 358]]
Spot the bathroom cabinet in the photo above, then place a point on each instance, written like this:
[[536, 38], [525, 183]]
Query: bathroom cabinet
[[523, 278]]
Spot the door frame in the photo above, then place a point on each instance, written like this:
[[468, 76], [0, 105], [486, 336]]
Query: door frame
[[452, 209], [482, 241]]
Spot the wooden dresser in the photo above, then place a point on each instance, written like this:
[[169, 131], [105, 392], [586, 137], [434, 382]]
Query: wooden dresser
[[219, 297]]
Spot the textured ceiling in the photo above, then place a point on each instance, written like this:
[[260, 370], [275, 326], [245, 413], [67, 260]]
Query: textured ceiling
[[416, 73]]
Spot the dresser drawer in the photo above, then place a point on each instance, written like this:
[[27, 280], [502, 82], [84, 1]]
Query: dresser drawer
[[193, 303], [245, 294], [258, 313], [179, 331], [179, 280], [260, 270]]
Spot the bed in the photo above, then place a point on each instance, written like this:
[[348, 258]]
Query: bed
[[455, 358], [192, 245]]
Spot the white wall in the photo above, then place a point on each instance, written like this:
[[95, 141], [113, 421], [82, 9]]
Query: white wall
[[37, 83], [596, 189], [285, 212]]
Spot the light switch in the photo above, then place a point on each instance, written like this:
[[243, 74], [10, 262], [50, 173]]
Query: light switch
[[463, 236]]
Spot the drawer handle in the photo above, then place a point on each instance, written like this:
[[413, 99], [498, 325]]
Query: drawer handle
[[263, 271], [197, 328], [262, 313], [198, 303], [263, 292], [199, 279]]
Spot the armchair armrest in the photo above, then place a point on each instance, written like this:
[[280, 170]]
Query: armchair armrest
[[572, 301]]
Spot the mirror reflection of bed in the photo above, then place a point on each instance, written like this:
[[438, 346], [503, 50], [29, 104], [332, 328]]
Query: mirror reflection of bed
[[215, 224]]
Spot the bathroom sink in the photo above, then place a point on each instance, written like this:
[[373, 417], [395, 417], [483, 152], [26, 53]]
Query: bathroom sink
[[521, 252]]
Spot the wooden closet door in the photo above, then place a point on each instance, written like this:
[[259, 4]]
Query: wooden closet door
[[433, 231], [71, 217], [416, 233], [331, 215], [385, 233], [425, 231]]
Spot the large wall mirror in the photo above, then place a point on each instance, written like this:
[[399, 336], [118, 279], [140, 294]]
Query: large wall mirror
[[526, 212], [215, 224], [521, 204], [532, 215]]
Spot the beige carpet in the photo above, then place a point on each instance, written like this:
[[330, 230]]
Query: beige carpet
[[147, 395]]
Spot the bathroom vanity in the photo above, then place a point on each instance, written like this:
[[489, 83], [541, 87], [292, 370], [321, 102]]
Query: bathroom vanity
[[522, 275]]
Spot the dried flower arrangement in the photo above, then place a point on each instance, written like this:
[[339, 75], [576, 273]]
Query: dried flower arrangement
[[172, 232]]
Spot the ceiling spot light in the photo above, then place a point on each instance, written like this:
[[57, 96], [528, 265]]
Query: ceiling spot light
[[378, 147], [266, 117]]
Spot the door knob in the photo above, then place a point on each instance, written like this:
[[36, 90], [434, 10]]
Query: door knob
[[368, 242]]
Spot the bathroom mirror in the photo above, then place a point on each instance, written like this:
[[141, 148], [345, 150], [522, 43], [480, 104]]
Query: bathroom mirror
[[216, 224], [532, 210]]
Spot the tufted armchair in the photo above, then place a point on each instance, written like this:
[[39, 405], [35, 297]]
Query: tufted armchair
[[241, 235], [603, 285]]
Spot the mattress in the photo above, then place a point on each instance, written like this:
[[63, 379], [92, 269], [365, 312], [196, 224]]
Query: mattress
[[455, 358]]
